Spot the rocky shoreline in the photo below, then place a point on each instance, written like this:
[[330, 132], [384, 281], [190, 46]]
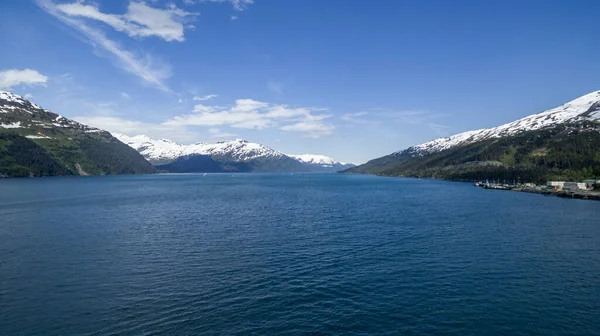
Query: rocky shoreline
[[591, 195]]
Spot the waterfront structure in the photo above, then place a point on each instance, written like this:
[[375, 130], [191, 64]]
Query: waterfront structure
[[574, 186], [591, 183], [555, 185]]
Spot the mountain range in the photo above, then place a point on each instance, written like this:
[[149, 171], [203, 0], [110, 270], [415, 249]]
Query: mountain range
[[561, 143], [37, 142], [226, 156]]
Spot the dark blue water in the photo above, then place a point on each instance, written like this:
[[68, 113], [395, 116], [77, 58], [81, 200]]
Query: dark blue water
[[291, 255]]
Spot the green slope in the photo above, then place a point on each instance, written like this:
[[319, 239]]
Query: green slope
[[37, 142], [566, 152]]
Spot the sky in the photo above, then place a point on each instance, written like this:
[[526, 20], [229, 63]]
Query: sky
[[353, 80]]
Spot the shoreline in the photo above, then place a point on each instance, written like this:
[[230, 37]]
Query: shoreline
[[585, 195]]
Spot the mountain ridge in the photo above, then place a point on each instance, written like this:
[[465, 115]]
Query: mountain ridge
[[559, 143], [38, 142], [584, 108], [162, 152]]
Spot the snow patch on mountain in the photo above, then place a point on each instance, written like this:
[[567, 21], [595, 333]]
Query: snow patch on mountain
[[11, 125], [163, 150], [29, 114], [583, 108], [314, 159], [11, 98]]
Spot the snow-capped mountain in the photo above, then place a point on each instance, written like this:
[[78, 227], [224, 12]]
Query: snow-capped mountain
[[321, 161], [560, 143], [585, 108], [39, 142], [262, 158], [18, 112], [164, 151], [314, 159]]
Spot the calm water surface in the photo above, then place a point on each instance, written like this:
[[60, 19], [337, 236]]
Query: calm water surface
[[261, 254]]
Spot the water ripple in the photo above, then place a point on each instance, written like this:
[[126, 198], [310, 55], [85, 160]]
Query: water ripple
[[292, 255]]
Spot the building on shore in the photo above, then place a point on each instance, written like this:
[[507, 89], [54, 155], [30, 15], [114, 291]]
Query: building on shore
[[574, 186], [555, 185], [591, 183]]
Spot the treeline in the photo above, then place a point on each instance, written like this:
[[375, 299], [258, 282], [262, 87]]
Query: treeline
[[113, 157], [21, 157], [567, 152]]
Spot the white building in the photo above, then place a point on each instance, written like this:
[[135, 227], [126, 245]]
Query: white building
[[555, 185]]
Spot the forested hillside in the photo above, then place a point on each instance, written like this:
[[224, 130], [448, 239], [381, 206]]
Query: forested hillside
[[37, 142], [566, 151]]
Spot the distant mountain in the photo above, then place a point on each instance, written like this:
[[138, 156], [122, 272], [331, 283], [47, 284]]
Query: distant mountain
[[37, 142], [198, 163], [562, 142], [226, 156], [321, 162]]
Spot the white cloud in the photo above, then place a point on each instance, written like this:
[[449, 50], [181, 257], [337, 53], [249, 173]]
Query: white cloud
[[133, 128], [233, 18], [353, 117], [145, 66], [140, 20], [28, 77], [207, 97], [360, 118], [238, 5], [204, 108], [312, 126], [125, 95], [312, 129], [252, 114]]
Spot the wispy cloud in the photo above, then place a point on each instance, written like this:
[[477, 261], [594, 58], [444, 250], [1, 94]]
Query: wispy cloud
[[145, 66], [133, 127], [238, 5], [140, 20], [276, 87], [363, 117], [207, 97], [27, 77], [217, 121], [252, 114], [125, 95], [311, 127], [440, 130], [379, 116]]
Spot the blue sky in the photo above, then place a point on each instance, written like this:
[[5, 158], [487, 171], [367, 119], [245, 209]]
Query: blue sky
[[353, 80]]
